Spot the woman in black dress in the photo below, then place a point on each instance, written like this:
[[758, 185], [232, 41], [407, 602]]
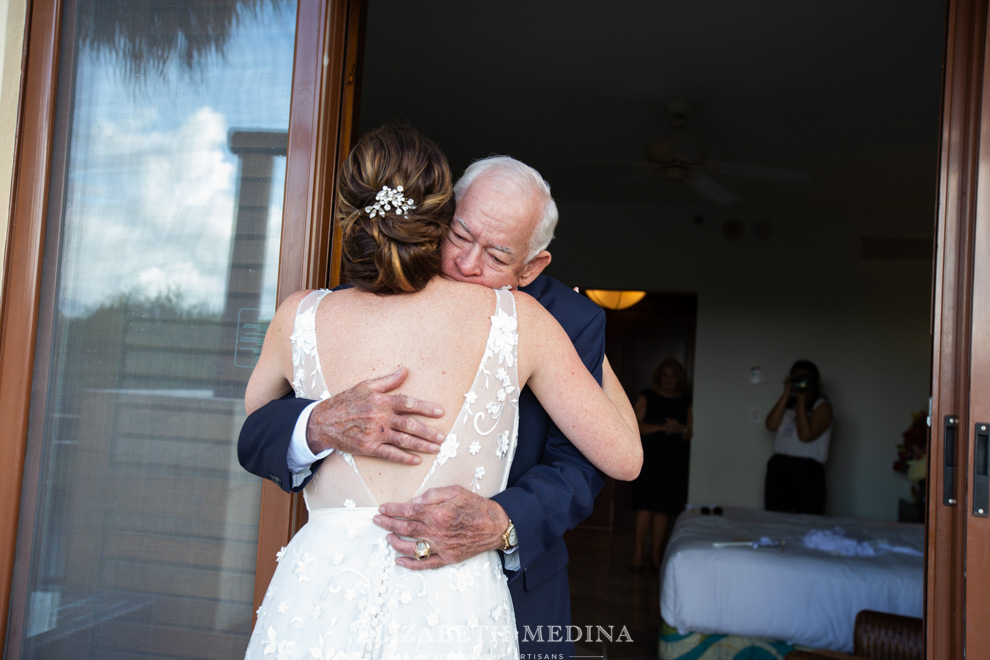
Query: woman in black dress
[[665, 426]]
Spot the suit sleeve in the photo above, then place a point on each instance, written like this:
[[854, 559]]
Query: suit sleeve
[[558, 493], [263, 444]]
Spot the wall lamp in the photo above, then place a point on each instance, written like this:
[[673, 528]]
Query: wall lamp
[[615, 299]]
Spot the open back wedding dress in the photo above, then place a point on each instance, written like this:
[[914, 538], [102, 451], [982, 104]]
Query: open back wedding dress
[[337, 592]]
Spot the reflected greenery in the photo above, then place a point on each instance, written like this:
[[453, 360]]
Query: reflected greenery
[[167, 304], [137, 341]]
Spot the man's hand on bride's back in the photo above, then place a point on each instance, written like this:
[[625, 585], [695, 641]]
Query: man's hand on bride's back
[[457, 524], [368, 421]]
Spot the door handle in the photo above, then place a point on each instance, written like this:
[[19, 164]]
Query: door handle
[[949, 464], [981, 471]]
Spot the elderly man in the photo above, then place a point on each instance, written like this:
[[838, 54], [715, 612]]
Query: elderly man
[[504, 220]]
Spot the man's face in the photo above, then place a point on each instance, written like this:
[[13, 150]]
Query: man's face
[[488, 241]]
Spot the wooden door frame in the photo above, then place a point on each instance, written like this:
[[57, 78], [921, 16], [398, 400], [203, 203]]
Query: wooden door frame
[[963, 163], [977, 404], [22, 281], [45, 315]]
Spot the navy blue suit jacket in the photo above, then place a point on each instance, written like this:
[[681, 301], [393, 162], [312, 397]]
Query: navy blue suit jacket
[[552, 487]]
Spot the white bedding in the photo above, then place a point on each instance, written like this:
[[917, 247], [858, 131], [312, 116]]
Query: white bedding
[[797, 594]]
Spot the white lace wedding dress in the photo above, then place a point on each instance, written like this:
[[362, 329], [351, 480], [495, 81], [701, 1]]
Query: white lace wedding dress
[[337, 592]]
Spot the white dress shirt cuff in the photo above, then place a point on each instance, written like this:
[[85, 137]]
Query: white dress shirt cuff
[[510, 559], [299, 456]]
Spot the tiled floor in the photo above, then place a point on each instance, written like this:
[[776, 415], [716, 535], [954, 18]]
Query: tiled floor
[[607, 599]]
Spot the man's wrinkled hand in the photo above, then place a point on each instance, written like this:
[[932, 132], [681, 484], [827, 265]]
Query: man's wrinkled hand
[[457, 524], [368, 421]]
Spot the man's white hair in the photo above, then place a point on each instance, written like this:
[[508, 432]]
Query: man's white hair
[[523, 178]]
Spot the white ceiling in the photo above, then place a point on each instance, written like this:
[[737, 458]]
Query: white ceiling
[[848, 91]]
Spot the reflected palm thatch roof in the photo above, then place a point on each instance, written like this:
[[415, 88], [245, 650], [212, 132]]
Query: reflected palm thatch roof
[[148, 34]]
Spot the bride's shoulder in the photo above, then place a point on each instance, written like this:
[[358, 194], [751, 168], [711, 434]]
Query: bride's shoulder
[[531, 314], [526, 303]]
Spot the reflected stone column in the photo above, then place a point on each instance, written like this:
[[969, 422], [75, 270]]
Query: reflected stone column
[[242, 332]]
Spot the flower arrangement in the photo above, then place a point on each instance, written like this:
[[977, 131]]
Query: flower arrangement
[[912, 453]]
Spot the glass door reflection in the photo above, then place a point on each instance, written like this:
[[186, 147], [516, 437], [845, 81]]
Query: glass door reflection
[[138, 527]]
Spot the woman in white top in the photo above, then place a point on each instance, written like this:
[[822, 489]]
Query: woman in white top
[[802, 421], [337, 591]]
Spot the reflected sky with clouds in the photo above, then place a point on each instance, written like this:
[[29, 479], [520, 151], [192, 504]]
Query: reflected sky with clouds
[[152, 184]]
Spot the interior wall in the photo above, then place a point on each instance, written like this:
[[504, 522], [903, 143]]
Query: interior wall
[[12, 19], [803, 292]]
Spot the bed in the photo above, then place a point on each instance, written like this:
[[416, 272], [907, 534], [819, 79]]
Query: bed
[[749, 574]]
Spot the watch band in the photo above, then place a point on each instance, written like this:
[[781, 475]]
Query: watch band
[[509, 539]]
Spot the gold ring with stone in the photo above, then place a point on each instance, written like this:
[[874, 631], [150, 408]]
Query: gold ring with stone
[[422, 550]]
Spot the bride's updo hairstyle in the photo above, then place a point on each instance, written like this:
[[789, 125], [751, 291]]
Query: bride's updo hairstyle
[[394, 251]]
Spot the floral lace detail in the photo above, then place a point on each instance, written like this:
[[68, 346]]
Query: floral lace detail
[[448, 449], [503, 445], [502, 343], [504, 339], [306, 373], [479, 472], [304, 568], [370, 607]]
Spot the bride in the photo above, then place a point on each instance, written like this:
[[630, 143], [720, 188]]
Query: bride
[[337, 591]]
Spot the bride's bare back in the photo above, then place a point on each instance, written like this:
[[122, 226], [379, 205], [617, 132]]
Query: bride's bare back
[[440, 335]]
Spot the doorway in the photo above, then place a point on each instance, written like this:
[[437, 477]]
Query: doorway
[[660, 326], [835, 268]]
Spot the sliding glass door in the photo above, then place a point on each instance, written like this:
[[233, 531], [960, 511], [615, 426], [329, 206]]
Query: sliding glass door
[[138, 530]]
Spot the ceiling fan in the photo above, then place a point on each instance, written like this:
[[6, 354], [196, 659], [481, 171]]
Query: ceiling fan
[[678, 158]]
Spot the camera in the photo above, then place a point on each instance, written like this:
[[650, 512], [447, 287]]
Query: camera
[[799, 383]]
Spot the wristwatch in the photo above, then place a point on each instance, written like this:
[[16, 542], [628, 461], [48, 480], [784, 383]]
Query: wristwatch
[[509, 538]]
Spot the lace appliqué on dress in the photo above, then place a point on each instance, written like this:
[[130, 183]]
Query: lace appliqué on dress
[[307, 376]]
